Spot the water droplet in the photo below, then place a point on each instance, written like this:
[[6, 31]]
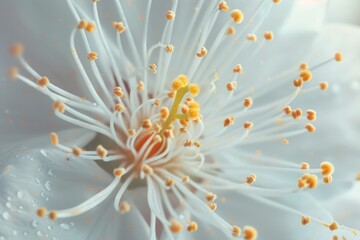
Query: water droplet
[[43, 153], [8, 205], [72, 223], [21, 207], [5, 215], [48, 185], [35, 223], [50, 227], [42, 194], [20, 194], [39, 233], [51, 172], [65, 226], [37, 180]]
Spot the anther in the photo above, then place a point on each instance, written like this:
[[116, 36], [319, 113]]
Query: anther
[[164, 113], [90, 27], [251, 37], [41, 212], [169, 182], [124, 207], [184, 109], [187, 143], [305, 75], [157, 102], [147, 169], [231, 86], [210, 197], [131, 132], [298, 83], [119, 26], [185, 179], [92, 56], [13, 72], [269, 36], [305, 220], [77, 151], [53, 215], [43, 82], [82, 24], [153, 68], [16, 49], [212, 206], [194, 89], [170, 15], [304, 166], [119, 108], [168, 133], [324, 85], [58, 106], [192, 227], [287, 110], [223, 6], [169, 48], [238, 68], [251, 179], [311, 115], [157, 128], [140, 86], [296, 113], [303, 66], [276, 1], [236, 231], [101, 151], [327, 179], [118, 172], [229, 121], [327, 168], [230, 31], [146, 124], [338, 56], [250, 233], [118, 92], [333, 226], [248, 125], [202, 53], [175, 226], [54, 139], [310, 127], [237, 16], [248, 102]]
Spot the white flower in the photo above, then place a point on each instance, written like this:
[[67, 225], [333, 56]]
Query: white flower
[[185, 108]]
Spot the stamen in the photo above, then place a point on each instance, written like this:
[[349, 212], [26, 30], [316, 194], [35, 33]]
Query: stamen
[[324, 86], [118, 172], [175, 226], [269, 36], [124, 207], [237, 16], [192, 227], [82, 24], [170, 15], [77, 151], [333, 226], [230, 31], [54, 138], [101, 151], [202, 53], [17, 49], [13, 73], [223, 6], [90, 27], [248, 102], [327, 168], [210, 197], [169, 48], [236, 231], [238, 68], [250, 233], [305, 220], [310, 127], [41, 212], [251, 37], [306, 75], [338, 57], [119, 26], [92, 56]]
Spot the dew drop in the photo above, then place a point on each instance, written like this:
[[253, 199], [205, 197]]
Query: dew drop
[[51, 172], [8, 205], [35, 223], [5, 215], [43, 153], [20, 194], [48, 185], [50, 227], [39, 233], [37, 180], [65, 226]]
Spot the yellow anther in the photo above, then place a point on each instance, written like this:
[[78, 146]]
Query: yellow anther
[[327, 179], [276, 1], [53, 215], [296, 113], [124, 207], [194, 113], [248, 125], [54, 139], [184, 79], [303, 66], [305, 75], [118, 172], [336, 238], [269, 36], [212, 206], [194, 89], [43, 82], [101, 151], [287, 110], [192, 227], [202, 53], [230, 31], [305, 220], [238, 68], [157, 128], [119, 108], [147, 169], [229, 121], [175, 226], [310, 127], [185, 179], [248, 102], [90, 27], [16, 49], [171, 94], [298, 82], [251, 37], [327, 168], [169, 48], [92, 56], [169, 182], [333, 226], [168, 133], [231, 86], [304, 166], [119, 26], [118, 92], [157, 102], [338, 57], [13, 72], [58, 106], [177, 84], [140, 86], [187, 143], [184, 122], [146, 124], [210, 197], [250, 233], [324, 85], [223, 6], [236, 231], [164, 113], [82, 24], [76, 151], [153, 67], [41, 212], [237, 16], [184, 109], [170, 15], [131, 132], [285, 141], [311, 115], [308, 180], [251, 179]]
